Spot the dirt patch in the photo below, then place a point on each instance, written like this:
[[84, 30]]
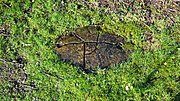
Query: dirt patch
[[14, 78], [151, 43], [147, 11], [5, 30]]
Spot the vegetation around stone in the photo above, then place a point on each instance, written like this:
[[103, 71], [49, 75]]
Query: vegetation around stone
[[30, 69]]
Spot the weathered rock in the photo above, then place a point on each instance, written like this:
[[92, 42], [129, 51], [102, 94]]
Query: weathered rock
[[90, 47]]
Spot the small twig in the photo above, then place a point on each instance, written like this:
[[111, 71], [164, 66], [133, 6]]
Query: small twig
[[51, 74], [84, 57], [3, 60], [4, 35]]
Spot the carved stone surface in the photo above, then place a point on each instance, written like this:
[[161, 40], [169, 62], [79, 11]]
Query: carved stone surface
[[89, 47]]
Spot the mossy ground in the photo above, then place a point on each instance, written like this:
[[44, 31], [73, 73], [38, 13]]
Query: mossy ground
[[29, 31]]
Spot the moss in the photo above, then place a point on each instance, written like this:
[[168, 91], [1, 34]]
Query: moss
[[150, 72]]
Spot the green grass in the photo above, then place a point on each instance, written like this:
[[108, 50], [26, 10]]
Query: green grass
[[151, 72]]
